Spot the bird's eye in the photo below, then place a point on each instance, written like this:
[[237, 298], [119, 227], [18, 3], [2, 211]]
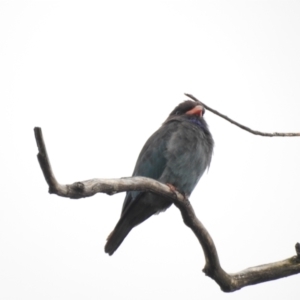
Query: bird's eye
[[177, 112]]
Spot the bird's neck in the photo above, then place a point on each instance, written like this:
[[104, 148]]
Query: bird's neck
[[199, 122]]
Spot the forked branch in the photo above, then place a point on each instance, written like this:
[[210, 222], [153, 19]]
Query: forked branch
[[227, 282]]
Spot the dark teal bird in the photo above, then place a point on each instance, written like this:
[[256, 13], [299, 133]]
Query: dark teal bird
[[177, 154]]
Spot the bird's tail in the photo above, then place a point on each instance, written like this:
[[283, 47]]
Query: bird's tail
[[135, 214], [116, 237]]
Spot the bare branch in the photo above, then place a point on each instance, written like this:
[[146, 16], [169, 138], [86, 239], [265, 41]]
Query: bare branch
[[88, 188], [227, 282], [288, 134]]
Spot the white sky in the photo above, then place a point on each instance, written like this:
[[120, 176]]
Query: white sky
[[99, 77]]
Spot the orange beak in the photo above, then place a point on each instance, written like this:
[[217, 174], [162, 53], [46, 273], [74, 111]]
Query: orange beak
[[197, 110]]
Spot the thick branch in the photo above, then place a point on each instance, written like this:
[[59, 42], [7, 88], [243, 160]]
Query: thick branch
[[213, 269], [288, 134]]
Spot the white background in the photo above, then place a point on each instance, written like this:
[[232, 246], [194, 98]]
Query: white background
[[100, 77]]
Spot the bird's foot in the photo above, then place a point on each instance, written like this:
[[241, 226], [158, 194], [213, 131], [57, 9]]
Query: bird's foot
[[172, 188]]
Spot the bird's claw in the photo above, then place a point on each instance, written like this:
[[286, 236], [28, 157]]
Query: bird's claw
[[172, 188]]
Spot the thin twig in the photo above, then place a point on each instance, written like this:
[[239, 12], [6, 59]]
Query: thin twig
[[288, 134]]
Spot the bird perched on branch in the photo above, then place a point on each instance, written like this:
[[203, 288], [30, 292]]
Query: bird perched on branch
[[177, 154]]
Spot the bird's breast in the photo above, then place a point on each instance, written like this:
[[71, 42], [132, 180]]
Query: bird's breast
[[188, 154]]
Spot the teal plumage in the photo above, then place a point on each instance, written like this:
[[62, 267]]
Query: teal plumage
[[178, 153]]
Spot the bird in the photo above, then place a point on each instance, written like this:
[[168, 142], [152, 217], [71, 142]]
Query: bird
[[177, 154]]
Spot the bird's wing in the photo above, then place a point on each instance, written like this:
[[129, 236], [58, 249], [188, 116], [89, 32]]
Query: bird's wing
[[152, 159]]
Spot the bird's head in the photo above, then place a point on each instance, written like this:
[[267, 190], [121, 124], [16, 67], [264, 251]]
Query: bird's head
[[188, 108], [190, 111]]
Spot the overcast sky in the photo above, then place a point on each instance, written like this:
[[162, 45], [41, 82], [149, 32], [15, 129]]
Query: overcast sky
[[100, 77]]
